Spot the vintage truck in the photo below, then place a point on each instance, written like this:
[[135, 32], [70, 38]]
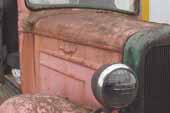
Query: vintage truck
[[97, 54]]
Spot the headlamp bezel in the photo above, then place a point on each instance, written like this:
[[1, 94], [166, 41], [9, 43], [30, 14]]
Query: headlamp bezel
[[101, 75]]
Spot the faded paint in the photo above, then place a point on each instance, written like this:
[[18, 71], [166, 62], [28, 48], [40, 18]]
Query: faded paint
[[40, 104], [80, 41], [107, 30], [136, 49], [140, 42], [70, 71], [68, 51]]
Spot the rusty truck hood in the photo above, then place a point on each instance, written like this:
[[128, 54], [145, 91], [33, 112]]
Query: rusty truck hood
[[102, 29], [72, 44]]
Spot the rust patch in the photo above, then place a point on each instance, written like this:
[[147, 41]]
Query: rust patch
[[40, 104], [68, 48], [103, 30], [85, 55]]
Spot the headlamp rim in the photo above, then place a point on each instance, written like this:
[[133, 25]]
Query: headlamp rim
[[105, 73]]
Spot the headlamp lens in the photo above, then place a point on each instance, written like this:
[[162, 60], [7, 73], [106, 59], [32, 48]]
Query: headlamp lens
[[115, 86], [119, 88]]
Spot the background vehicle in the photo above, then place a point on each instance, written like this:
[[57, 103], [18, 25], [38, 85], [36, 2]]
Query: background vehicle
[[9, 54], [61, 49]]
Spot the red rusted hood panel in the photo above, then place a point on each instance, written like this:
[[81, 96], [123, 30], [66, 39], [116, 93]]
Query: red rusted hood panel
[[107, 30], [68, 46]]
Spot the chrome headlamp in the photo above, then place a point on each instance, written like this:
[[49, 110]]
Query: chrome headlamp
[[115, 86]]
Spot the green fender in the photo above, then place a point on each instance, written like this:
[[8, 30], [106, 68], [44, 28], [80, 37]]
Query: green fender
[[135, 50]]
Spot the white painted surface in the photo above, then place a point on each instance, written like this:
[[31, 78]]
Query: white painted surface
[[125, 5], [160, 11]]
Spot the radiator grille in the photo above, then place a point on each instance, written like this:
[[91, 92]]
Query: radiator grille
[[157, 80]]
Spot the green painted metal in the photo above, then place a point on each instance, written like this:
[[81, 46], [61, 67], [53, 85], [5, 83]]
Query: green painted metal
[[139, 41], [136, 48]]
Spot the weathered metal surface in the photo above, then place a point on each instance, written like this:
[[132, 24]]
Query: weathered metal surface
[[103, 29], [72, 66], [69, 66], [64, 47], [135, 46], [68, 45], [135, 53], [88, 56], [40, 104]]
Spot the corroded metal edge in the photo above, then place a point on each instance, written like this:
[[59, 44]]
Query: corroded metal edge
[[134, 55]]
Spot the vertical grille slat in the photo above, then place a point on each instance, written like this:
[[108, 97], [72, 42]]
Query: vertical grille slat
[[157, 80]]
